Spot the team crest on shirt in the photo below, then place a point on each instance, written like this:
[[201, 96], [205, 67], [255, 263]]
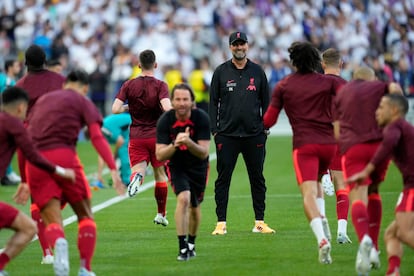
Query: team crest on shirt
[[231, 84], [251, 86]]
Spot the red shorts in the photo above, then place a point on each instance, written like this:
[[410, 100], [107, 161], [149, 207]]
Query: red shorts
[[405, 202], [312, 160], [7, 215], [357, 157], [143, 150], [44, 186], [336, 161]]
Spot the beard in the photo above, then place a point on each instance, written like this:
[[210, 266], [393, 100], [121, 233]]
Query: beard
[[239, 55]]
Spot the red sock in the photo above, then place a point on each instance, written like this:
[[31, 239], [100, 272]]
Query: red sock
[[4, 260], [161, 192], [359, 218], [41, 227], [374, 217], [53, 232], [342, 204], [393, 264], [86, 241]]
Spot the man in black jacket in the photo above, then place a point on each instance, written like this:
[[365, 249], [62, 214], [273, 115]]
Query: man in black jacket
[[239, 96]]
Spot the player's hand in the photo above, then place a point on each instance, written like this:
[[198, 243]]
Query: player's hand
[[182, 137], [22, 194], [117, 183], [357, 178], [70, 174]]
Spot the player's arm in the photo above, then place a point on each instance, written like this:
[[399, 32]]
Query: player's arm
[[119, 107], [200, 149], [164, 152], [166, 104], [336, 127], [102, 147]]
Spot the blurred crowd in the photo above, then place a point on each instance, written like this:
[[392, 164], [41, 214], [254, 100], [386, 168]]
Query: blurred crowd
[[104, 37]]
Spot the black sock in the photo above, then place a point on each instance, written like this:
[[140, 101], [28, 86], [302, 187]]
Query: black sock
[[182, 243], [191, 239]]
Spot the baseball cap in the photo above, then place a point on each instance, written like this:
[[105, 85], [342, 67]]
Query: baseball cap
[[35, 56], [237, 36]]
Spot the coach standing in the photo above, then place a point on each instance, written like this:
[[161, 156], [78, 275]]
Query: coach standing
[[239, 95]]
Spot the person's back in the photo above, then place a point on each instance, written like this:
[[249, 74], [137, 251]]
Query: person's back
[[143, 95], [38, 80], [307, 100], [356, 103]]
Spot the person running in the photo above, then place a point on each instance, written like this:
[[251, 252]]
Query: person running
[[36, 82], [398, 135], [183, 138], [359, 138], [14, 102], [332, 66], [54, 125], [147, 98], [239, 95], [307, 97]]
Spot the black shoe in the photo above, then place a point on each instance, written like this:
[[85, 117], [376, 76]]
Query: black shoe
[[183, 255], [5, 181], [191, 253]]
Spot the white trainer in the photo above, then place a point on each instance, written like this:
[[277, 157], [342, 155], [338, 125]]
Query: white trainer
[[325, 252], [343, 238], [135, 184], [327, 185], [14, 177], [61, 262], [160, 219], [363, 262], [326, 229], [48, 259], [84, 272], [374, 258]]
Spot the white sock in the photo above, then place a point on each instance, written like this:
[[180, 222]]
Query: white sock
[[317, 228], [342, 226], [320, 201]]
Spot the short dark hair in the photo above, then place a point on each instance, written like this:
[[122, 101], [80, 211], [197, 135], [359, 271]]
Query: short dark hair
[[78, 75], [35, 56], [8, 63], [183, 86], [147, 59], [14, 94], [400, 101], [305, 57]]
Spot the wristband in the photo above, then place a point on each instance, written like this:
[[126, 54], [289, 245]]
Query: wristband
[[60, 171]]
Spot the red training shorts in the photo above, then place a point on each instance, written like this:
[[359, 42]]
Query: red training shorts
[[44, 186], [357, 157], [312, 160], [7, 215], [143, 150], [405, 202]]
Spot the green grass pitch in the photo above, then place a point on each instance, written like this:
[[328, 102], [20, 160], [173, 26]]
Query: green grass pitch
[[130, 244]]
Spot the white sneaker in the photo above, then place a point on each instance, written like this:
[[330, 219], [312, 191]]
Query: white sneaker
[[327, 185], [3, 273], [84, 272], [374, 258], [48, 259], [363, 263], [61, 262], [14, 177], [160, 219], [135, 184], [325, 252], [326, 229], [343, 238]]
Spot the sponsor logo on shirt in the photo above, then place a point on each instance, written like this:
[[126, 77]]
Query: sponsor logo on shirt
[[231, 84]]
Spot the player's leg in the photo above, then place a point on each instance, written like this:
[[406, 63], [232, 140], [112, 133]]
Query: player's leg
[[194, 224], [24, 230], [125, 169], [394, 248], [161, 186], [44, 244], [227, 150], [139, 157], [181, 217], [342, 206]]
